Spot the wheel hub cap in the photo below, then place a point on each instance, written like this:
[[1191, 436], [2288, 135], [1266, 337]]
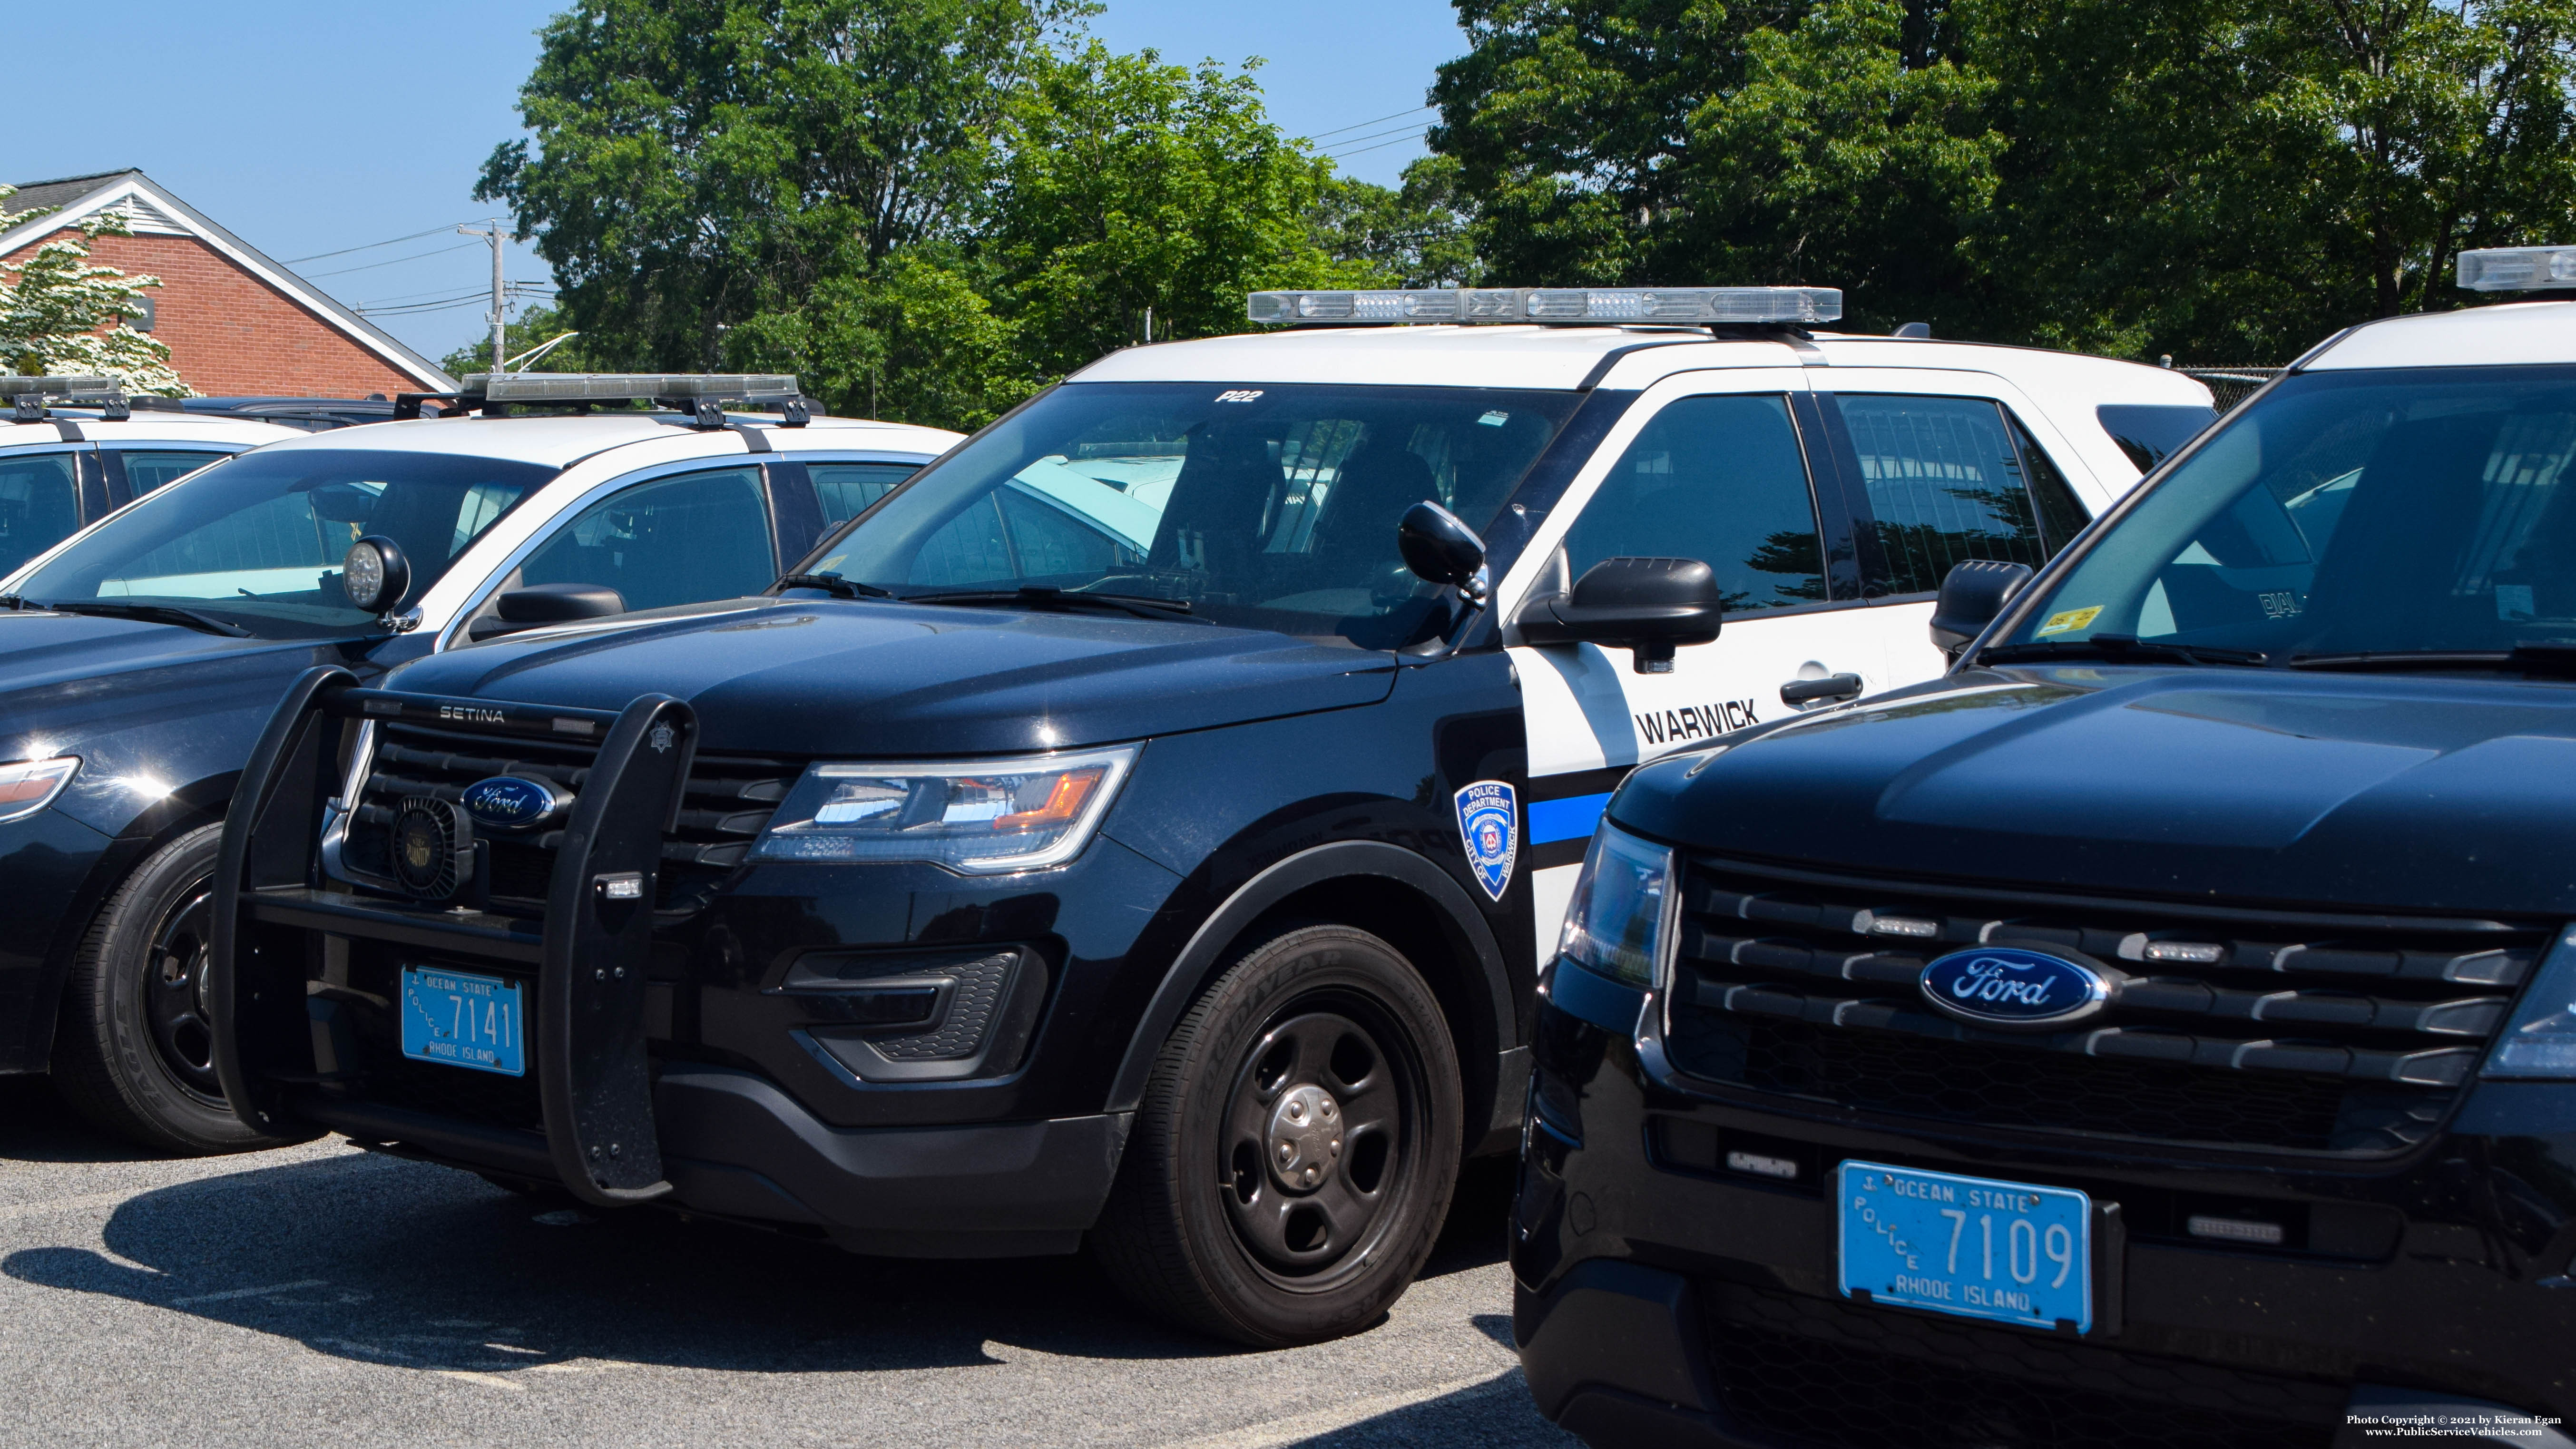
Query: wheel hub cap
[[1305, 1137]]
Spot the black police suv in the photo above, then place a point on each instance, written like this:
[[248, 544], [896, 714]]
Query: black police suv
[[2162, 1030]]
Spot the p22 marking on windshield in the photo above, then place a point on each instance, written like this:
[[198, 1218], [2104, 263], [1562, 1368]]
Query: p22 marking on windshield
[[1240, 394]]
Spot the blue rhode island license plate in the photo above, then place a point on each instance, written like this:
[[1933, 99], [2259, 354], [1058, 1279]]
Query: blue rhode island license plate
[[458, 1019], [1972, 1246]]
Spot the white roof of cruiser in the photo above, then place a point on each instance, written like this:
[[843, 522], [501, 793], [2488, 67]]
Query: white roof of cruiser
[[562, 441], [1609, 357], [146, 428], [2505, 333]]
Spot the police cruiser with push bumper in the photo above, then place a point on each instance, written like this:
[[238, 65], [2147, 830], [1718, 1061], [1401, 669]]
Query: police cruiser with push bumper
[[2162, 1030], [1142, 823], [139, 659]]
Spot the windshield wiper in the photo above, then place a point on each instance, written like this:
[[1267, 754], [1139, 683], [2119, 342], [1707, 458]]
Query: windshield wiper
[[2543, 658], [833, 584], [150, 613], [2121, 648], [1035, 597]]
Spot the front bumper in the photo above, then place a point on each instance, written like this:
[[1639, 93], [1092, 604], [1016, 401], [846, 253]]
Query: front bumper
[[1661, 1297]]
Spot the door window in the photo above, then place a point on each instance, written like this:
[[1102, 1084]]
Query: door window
[[39, 504], [1721, 480], [848, 489], [678, 540], [1948, 479], [146, 470]]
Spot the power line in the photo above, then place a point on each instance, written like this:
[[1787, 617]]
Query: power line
[[1362, 124], [1380, 146], [1411, 130], [398, 261], [371, 246]]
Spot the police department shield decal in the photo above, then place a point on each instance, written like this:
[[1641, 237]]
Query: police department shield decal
[[1489, 821]]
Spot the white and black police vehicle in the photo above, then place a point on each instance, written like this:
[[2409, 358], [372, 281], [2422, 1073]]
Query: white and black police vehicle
[[140, 657], [2159, 1031], [1145, 823]]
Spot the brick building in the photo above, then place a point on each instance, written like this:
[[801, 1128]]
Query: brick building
[[237, 322]]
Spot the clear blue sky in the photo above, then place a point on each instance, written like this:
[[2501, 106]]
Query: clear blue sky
[[308, 128]]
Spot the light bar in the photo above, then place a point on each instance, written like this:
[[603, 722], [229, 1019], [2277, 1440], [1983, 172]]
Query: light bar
[[1554, 306], [2517, 269], [625, 386], [13, 386]]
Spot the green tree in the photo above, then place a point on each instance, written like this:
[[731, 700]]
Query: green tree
[[61, 313], [536, 326]]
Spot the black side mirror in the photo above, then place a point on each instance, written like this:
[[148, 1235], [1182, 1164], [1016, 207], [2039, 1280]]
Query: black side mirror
[[541, 604], [1441, 549], [1649, 605], [1973, 594]]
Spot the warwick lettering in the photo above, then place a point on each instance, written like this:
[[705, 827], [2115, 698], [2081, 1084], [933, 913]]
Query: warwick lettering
[[1692, 722]]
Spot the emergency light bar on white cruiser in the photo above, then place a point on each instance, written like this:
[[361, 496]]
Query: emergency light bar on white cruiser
[[2517, 269], [1559, 306], [532, 387]]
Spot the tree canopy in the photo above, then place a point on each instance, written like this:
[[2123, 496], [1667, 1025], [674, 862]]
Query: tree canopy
[[62, 313]]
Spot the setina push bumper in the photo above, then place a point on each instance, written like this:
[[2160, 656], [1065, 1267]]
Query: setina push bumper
[[502, 1003]]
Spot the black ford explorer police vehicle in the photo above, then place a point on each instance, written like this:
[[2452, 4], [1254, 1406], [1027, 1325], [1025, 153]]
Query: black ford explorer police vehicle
[[1129, 825], [2160, 1031]]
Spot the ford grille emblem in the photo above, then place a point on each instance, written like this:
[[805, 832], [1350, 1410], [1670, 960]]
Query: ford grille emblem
[[2006, 986], [512, 802]]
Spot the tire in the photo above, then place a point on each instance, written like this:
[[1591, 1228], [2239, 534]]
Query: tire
[[132, 1053], [1243, 1208]]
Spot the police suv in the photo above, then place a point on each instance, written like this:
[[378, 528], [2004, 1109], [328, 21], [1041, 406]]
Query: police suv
[[1147, 821], [2162, 1030], [140, 658]]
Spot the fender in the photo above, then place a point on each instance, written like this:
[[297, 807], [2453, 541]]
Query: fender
[[1199, 960]]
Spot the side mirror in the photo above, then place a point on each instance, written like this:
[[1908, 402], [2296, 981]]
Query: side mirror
[[541, 604], [1973, 594], [1441, 549], [374, 575], [1649, 605]]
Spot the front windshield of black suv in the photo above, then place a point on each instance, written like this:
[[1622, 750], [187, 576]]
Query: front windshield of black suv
[[1259, 505], [2405, 511], [255, 543]]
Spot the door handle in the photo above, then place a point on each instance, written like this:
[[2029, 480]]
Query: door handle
[[1808, 691]]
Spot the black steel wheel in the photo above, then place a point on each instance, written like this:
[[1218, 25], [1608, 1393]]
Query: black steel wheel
[[134, 1051], [1293, 1157]]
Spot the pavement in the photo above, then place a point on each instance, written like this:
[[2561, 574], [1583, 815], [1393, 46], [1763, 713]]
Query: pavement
[[324, 1295]]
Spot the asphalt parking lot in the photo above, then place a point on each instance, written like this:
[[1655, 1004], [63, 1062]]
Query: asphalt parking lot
[[323, 1294]]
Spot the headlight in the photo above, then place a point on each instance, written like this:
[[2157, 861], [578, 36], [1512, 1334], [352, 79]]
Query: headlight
[[1620, 922], [984, 817], [30, 785], [2540, 1040]]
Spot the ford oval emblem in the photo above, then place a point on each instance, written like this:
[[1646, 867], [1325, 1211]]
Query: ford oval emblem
[[2007, 986], [512, 802]]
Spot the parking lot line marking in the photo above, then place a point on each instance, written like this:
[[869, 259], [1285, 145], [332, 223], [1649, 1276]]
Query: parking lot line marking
[[1278, 1432], [489, 1381], [230, 1294]]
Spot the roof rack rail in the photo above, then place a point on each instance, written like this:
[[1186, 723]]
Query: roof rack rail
[[32, 397], [1550, 306], [701, 396]]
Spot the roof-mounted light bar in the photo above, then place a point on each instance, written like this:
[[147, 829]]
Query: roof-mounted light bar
[[1555, 306], [702, 395], [30, 396], [2517, 269]]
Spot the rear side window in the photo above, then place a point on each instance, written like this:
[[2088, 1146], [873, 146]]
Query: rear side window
[[2151, 433], [850, 489], [39, 505], [1950, 479], [146, 470]]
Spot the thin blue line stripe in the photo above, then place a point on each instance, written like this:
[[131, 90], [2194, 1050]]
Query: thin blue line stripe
[[1569, 819]]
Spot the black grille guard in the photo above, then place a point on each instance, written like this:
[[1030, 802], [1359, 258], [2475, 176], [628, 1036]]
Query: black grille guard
[[591, 1067]]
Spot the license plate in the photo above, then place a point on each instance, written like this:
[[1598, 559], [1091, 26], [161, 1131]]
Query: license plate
[[459, 1019], [2008, 1251]]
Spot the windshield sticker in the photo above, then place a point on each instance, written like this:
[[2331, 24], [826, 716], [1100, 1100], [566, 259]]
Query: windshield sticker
[[1240, 394], [2071, 619], [1489, 822], [1494, 419]]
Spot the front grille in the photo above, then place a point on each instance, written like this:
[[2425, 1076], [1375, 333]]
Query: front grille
[[2343, 1037], [729, 798], [1822, 1372]]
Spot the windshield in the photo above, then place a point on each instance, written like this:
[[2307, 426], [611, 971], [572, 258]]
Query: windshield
[[256, 542], [2397, 510], [1264, 506]]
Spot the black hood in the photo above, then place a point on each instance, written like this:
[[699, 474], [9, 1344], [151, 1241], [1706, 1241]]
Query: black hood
[[882, 679], [2374, 793]]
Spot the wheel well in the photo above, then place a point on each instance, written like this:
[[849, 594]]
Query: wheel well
[[175, 816], [1419, 928]]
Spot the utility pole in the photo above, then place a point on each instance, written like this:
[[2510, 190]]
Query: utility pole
[[499, 317]]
